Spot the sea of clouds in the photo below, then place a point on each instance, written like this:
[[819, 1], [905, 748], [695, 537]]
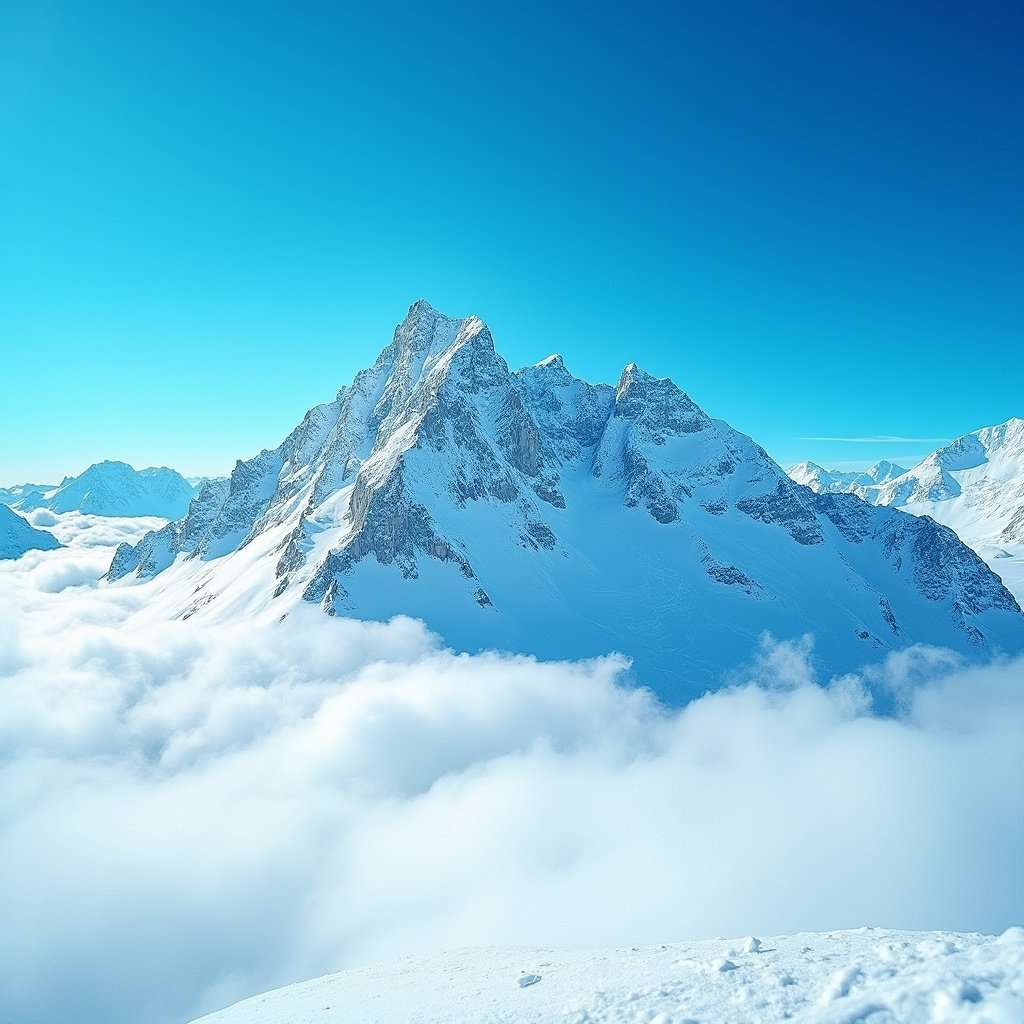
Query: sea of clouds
[[190, 814]]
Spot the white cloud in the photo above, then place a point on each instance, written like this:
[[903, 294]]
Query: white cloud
[[190, 814], [43, 517]]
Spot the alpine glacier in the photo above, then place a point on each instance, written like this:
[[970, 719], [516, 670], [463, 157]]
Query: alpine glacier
[[534, 511], [974, 485], [109, 489], [17, 536]]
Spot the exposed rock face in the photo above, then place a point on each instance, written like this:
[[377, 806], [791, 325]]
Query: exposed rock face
[[535, 511]]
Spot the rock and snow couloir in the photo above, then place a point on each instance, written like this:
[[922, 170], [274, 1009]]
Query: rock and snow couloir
[[534, 511], [109, 489]]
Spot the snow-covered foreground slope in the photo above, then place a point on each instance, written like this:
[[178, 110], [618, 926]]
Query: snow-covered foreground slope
[[535, 512], [109, 489], [974, 485], [871, 975], [17, 536]]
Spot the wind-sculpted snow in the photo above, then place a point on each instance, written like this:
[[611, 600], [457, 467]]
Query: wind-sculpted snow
[[536, 512], [194, 811]]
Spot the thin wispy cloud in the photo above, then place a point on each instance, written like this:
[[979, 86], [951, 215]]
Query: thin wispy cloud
[[881, 439]]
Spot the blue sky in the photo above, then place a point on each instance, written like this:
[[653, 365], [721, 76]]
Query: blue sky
[[211, 215]]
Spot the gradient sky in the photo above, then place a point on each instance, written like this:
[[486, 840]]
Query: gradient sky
[[810, 215]]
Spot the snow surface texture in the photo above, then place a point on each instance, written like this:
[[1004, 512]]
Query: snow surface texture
[[109, 489], [533, 511], [192, 812], [17, 536], [870, 975], [974, 485]]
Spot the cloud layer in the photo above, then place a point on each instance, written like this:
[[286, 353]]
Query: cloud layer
[[191, 814]]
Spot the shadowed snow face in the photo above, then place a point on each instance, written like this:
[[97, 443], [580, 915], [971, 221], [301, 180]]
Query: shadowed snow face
[[189, 814]]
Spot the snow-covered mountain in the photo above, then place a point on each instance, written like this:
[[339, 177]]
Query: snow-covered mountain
[[983, 469], [534, 511], [17, 536], [974, 485], [109, 489], [865, 483], [24, 496], [823, 978]]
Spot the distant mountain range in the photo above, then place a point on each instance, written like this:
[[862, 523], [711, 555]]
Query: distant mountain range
[[975, 485], [537, 512], [865, 484], [109, 489], [17, 536]]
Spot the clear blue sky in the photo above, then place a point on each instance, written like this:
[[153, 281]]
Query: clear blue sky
[[810, 215]]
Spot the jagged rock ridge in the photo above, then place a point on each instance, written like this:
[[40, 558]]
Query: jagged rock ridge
[[538, 512]]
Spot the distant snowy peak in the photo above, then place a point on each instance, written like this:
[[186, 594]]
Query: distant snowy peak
[[110, 489], [864, 483], [24, 496], [17, 536], [535, 511]]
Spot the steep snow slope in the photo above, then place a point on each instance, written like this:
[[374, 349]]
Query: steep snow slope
[[888, 977], [537, 512], [974, 485], [109, 489], [17, 536]]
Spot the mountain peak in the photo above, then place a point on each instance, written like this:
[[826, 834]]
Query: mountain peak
[[633, 375], [552, 362], [533, 509], [425, 334]]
